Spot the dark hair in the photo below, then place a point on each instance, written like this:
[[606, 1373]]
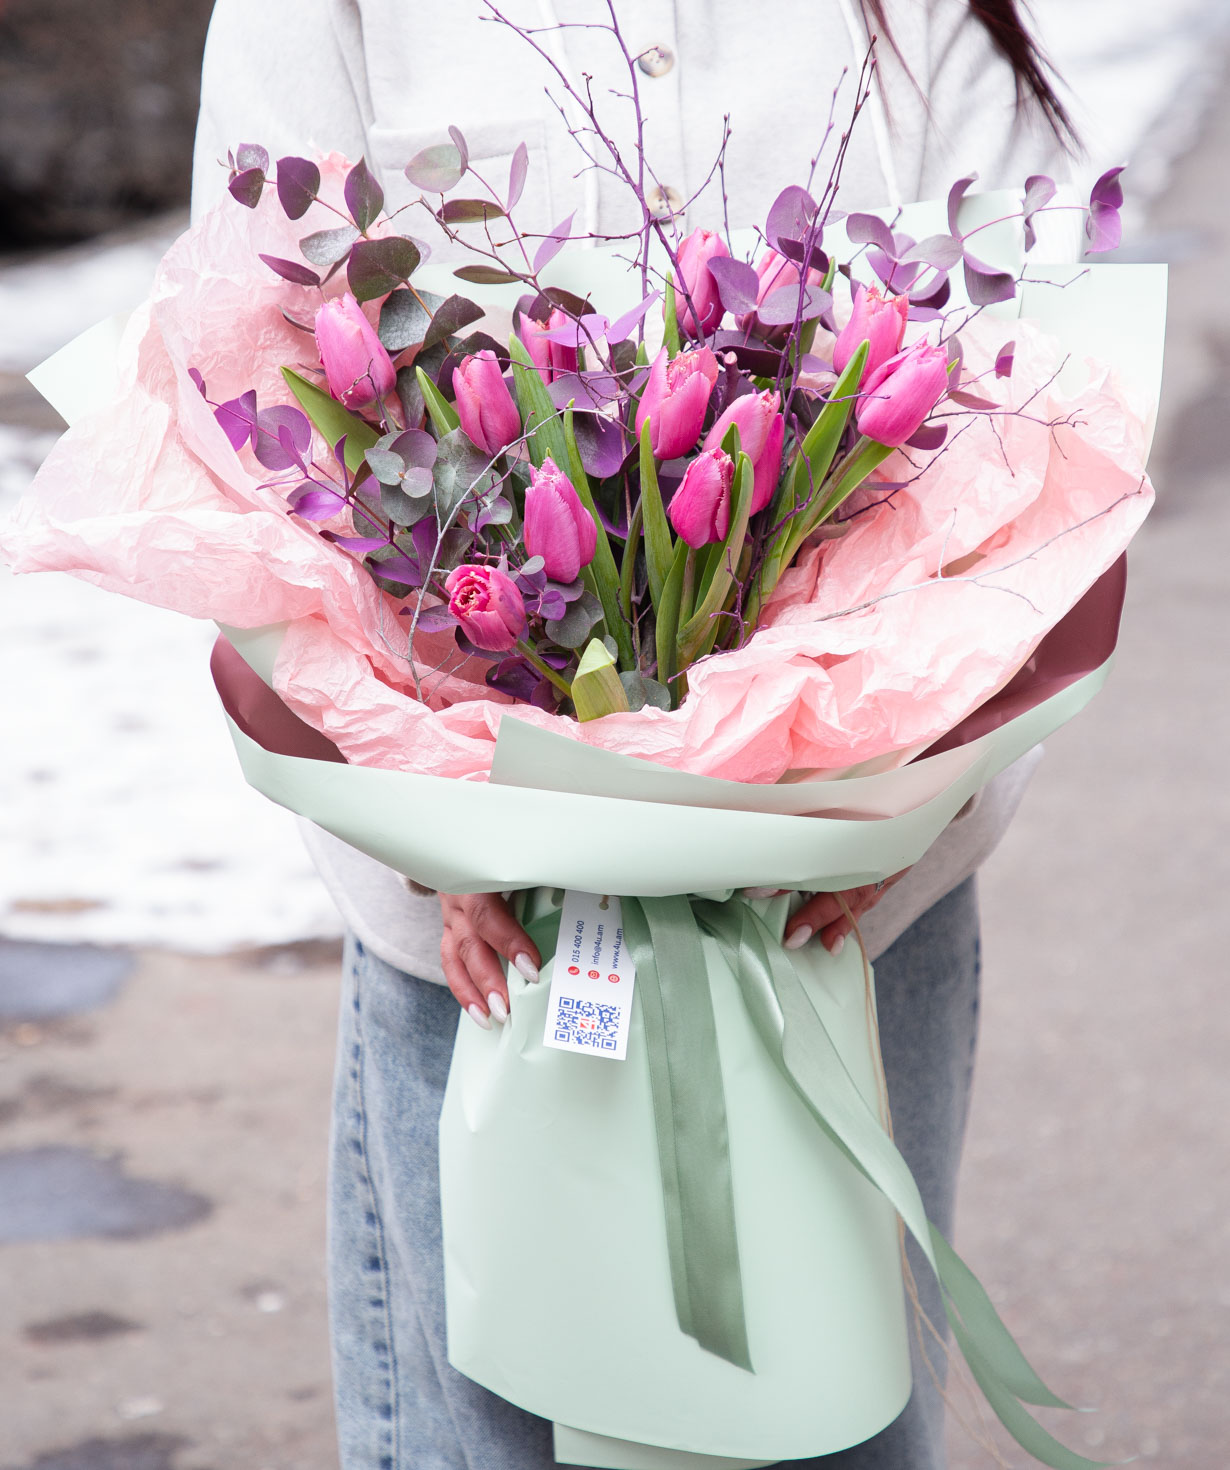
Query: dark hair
[[1033, 73]]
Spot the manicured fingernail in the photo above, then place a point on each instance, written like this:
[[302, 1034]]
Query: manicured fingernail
[[800, 937], [526, 967], [479, 1016], [498, 1009], [759, 892], [837, 945]]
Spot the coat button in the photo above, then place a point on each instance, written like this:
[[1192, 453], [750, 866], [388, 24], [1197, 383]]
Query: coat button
[[664, 203], [656, 61]]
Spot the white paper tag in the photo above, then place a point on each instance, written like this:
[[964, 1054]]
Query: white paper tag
[[590, 1005]]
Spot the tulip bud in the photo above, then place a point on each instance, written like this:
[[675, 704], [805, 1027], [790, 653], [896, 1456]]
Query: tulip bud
[[357, 368], [762, 432], [487, 605], [675, 399], [557, 526], [700, 508], [696, 283], [878, 322], [551, 358], [484, 405], [897, 397]]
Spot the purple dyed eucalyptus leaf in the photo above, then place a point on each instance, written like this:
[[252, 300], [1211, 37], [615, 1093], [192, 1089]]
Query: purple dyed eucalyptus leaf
[[1039, 191], [298, 184], [787, 304], [314, 504], [517, 172], [248, 187], [752, 357], [602, 443], [925, 314], [485, 275], [955, 196], [291, 270], [430, 619], [271, 450], [973, 401], [569, 591], [362, 544], [414, 446], [377, 267], [328, 247], [532, 567], [790, 216], [398, 568], [941, 252], [930, 436], [364, 196], [1104, 228], [588, 392], [870, 229], [986, 284], [405, 318], [459, 142], [436, 169], [195, 375], [623, 326], [497, 512], [1004, 360], [469, 211], [449, 317], [238, 418], [896, 277], [553, 243], [514, 677], [737, 283], [251, 155], [551, 606], [806, 254], [956, 362], [933, 293]]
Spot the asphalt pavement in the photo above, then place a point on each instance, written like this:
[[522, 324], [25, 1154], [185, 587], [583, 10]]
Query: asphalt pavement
[[162, 1117]]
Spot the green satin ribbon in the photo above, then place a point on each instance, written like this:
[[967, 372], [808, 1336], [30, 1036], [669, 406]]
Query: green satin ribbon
[[664, 937]]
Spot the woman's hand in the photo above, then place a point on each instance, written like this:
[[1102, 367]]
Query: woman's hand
[[478, 929], [823, 913]]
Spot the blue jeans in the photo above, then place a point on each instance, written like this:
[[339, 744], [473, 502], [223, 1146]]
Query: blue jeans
[[400, 1406]]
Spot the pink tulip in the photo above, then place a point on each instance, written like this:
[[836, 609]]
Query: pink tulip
[[557, 527], [774, 272], [762, 431], [550, 358], [357, 368], [675, 399], [484, 405], [897, 398], [700, 508], [876, 321], [696, 283], [486, 603]]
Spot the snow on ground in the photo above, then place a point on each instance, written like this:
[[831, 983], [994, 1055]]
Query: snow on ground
[[124, 816]]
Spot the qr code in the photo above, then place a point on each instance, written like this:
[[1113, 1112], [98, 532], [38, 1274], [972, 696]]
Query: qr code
[[587, 1023]]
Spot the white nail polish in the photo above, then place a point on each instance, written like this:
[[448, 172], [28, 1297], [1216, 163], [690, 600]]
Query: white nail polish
[[759, 892], [498, 1009], [800, 937], [526, 967], [838, 945], [479, 1017]]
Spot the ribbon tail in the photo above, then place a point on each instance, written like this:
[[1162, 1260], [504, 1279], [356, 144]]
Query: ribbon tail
[[685, 1073]]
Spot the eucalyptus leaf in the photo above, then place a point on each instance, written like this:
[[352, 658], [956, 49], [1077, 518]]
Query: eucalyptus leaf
[[470, 211], [436, 169], [461, 470], [574, 628], [327, 247], [364, 196], [377, 267], [298, 184]]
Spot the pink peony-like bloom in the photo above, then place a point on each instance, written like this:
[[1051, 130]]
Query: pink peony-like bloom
[[557, 526], [486, 603], [700, 508], [696, 283], [484, 405], [675, 399], [878, 322], [896, 400], [549, 357], [762, 432], [357, 368]]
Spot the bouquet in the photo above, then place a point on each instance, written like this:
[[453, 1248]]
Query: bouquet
[[680, 564]]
